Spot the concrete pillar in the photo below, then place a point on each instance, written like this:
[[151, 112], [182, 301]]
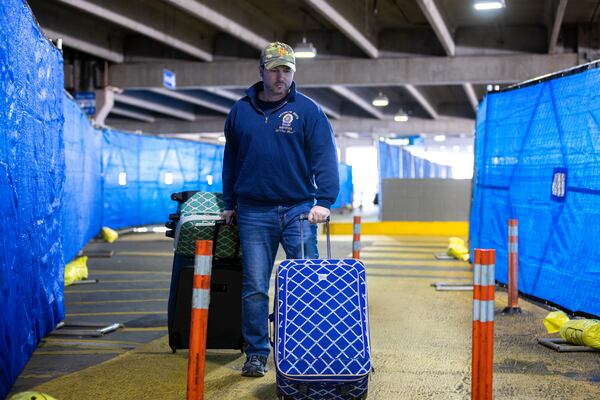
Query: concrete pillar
[[105, 100]]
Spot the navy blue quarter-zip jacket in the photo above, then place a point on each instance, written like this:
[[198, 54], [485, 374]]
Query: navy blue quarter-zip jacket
[[283, 156]]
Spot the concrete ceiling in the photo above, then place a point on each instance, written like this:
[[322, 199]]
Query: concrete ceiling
[[432, 58]]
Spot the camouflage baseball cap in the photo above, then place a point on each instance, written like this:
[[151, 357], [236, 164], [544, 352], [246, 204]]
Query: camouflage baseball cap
[[276, 54]]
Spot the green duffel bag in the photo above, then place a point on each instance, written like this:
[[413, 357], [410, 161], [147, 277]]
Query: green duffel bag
[[200, 219]]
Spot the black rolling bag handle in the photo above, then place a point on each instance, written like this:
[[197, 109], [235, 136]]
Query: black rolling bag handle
[[305, 217]]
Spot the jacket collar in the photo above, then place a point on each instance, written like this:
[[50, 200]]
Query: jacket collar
[[252, 91]]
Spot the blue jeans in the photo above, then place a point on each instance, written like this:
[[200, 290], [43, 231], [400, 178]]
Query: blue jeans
[[262, 228]]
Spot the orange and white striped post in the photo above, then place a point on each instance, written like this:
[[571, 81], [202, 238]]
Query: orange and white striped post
[[483, 324], [199, 324], [513, 268], [356, 237]]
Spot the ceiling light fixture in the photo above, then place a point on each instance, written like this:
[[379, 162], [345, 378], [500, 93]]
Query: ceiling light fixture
[[483, 5], [401, 116], [305, 50], [439, 138], [380, 100]]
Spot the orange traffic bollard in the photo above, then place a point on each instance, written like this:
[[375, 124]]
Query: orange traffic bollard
[[356, 238], [513, 268], [198, 326], [483, 324]]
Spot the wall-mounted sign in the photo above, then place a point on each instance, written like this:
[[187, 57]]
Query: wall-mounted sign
[[169, 79]]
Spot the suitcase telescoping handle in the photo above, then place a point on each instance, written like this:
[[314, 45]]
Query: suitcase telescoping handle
[[305, 217]]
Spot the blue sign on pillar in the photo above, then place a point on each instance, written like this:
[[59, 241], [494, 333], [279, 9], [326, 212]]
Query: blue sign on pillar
[[169, 79], [86, 101]]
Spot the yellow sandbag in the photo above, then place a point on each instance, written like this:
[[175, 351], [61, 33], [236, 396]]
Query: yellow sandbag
[[31, 396], [76, 270], [554, 321], [584, 332], [457, 249], [109, 235]]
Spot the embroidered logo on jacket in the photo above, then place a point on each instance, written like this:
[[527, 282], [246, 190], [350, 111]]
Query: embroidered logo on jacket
[[287, 122]]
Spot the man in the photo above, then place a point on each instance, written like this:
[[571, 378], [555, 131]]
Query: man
[[280, 162]]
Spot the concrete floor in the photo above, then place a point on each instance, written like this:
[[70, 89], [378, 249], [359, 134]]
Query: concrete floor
[[421, 338]]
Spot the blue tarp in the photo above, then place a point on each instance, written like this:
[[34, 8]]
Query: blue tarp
[[32, 175], [395, 162], [344, 198], [82, 191], [141, 172], [537, 160]]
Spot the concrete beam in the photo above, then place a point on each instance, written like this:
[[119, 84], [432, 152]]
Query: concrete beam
[[147, 21], [74, 29], [363, 126], [356, 99], [337, 17], [225, 16], [228, 94], [95, 49], [192, 99], [132, 114], [433, 15], [420, 98], [155, 106], [558, 18], [352, 72], [471, 96]]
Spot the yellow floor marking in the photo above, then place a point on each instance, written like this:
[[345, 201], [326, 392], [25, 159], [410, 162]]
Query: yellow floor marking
[[430, 250], [370, 254], [56, 340], [117, 313], [133, 280], [121, 272], [76, 353], [117, 290], [35, 376], [144, 253], [81, 346], [81, 303], [150, 329], [432, 263]]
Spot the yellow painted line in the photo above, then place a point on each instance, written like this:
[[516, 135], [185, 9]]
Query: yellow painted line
[[117, 290], [149, 329], [144, 253], [77, 353], [431, 251], [117, 313], [121, 272], [56, 340], [370, 254], [81, 303], [416, 228], [36, 376], [82, 346], [424, 263], [133, 280]]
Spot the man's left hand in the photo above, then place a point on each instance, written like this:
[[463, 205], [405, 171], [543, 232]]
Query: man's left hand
[[318, 214]]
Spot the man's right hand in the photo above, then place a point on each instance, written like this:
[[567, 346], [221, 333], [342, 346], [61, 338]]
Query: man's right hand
[[227, 215]]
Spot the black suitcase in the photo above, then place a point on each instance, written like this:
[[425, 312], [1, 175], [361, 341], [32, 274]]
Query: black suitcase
[[225, 309]]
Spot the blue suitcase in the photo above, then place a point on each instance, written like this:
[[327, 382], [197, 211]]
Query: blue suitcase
[[321, 343]]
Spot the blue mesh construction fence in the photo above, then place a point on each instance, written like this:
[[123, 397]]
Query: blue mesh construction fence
[[141, 172], [345, 196], [32, 176], [536, 160], [82, 190], [395, 162]]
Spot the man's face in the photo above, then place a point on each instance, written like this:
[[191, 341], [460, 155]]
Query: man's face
[[277, 81]]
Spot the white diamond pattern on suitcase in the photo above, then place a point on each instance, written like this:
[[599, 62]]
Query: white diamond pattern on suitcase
[[325, 314]]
